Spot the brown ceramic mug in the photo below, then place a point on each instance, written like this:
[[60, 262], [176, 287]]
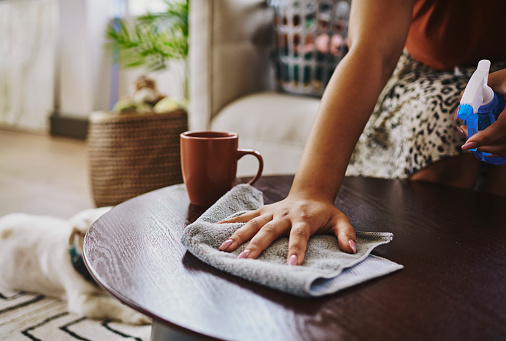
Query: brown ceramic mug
[[209, 164]]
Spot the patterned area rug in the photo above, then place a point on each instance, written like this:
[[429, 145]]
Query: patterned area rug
[[36, 317]]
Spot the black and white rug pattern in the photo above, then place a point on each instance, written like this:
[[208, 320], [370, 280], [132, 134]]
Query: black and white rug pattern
[[25, 316]]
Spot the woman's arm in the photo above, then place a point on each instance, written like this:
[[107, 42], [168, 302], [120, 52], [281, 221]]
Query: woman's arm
[[377, 33]]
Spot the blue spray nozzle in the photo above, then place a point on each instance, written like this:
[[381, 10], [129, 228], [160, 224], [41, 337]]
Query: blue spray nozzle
[[467, 114], [465, 111]]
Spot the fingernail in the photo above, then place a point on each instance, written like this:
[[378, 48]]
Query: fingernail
[[292, 260], [225, 244], [469, 145], [460, 130], [243, 254], [353, 246]]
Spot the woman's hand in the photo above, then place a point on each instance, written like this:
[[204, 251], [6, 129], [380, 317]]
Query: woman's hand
[[297, 218], [490, 140], [493, 138]]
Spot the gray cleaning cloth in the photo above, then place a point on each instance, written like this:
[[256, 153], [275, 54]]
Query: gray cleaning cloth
[[326, 268]]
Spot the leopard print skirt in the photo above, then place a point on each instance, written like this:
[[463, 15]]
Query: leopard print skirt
[[412, 124]]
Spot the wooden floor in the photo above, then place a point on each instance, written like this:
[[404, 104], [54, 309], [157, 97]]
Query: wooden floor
[[43, 175]]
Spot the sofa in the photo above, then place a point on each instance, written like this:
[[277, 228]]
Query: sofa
[[232, 86]]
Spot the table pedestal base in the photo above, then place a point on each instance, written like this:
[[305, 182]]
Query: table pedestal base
[[160, 332]]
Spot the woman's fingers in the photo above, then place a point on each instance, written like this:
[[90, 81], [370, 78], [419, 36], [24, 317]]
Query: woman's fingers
[[243, 218], [456, 114], [265, 236], [297, 243], [462, 130], [491, 135], [245, 232], [345, 234], [496, 146], [496, 150]]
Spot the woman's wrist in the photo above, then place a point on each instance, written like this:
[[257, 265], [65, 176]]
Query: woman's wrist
[[306, 191]]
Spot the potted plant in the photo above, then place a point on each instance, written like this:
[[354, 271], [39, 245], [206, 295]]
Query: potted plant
[[151, 40], [135, 148]]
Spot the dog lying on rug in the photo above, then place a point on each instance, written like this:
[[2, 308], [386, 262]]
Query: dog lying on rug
[[42, 254]]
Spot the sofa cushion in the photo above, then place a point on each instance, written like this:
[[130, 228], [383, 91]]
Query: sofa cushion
[[273, 123], [269, 116]]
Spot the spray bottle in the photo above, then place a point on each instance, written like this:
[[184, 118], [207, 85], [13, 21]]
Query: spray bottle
[[480, 107]]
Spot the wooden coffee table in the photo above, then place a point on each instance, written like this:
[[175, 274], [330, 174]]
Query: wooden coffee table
[[452, 243]]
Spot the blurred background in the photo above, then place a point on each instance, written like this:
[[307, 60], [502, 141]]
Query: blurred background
[[58, 64], [56, 60]]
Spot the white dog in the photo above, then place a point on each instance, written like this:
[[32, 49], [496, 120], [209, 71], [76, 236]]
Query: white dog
[[35, 257]]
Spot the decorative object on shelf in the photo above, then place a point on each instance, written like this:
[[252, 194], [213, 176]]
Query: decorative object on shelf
[[311, 39], [147, 99]]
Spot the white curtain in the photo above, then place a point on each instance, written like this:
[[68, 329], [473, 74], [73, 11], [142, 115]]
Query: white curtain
[[28, 30]]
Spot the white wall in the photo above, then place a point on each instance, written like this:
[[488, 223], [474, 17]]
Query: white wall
[[84, 68]]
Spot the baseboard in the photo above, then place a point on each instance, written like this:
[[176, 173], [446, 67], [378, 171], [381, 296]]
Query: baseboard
[[75, 127]]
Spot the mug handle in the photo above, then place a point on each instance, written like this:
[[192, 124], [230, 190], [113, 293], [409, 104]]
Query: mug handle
[[242, 152]]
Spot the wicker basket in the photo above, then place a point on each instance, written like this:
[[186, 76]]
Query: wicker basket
[[131, 154]]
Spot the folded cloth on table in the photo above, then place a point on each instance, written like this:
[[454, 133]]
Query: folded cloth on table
[[326, 268]]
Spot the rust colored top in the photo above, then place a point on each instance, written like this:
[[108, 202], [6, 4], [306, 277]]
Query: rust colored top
[[449, 33]]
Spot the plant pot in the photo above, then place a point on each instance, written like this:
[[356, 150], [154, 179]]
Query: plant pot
[[131, 154]]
